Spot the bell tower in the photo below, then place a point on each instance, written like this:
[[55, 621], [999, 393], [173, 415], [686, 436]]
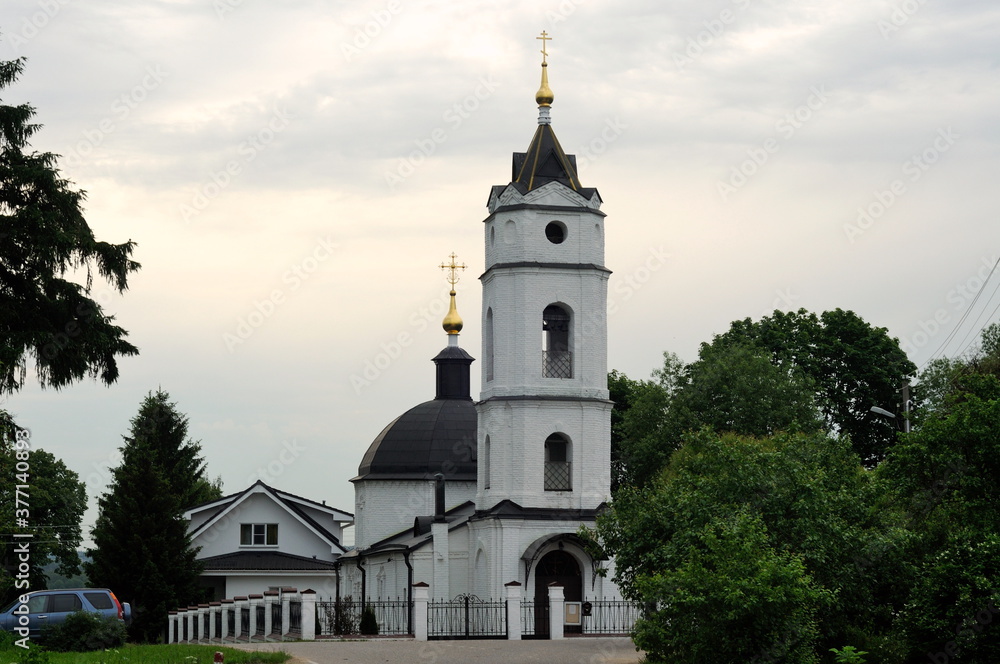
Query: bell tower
[[544, 418]]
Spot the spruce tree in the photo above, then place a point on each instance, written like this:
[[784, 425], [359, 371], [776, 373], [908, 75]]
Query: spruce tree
[[46, 319], [142, 549]]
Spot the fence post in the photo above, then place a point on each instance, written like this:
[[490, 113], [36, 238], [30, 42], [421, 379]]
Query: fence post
[[286, 611], [189, 624], [557, 602], [239, 602], [513, 611], [171, 627], [421, 593], [308, 615], [269, 599], [213, 611], [252, 632], [227, 610]]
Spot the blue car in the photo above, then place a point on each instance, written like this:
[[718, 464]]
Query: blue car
[[51, 607]]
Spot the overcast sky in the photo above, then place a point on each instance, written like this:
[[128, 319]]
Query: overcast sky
[[294, 173]]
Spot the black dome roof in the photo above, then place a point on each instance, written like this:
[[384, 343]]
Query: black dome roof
[[437, 436]]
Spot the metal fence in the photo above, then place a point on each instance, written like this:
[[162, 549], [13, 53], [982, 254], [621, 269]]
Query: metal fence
[[466, 617], [276, 626], [534, 619], [387, 617], [610, 617], [295, 616]]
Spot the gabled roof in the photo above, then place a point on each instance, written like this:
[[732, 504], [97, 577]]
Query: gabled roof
[[290, 502], [408, 540]]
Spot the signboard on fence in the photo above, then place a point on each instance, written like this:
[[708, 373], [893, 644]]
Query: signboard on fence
[[572, 614]]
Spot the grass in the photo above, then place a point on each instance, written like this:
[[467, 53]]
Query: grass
[[160, 654]]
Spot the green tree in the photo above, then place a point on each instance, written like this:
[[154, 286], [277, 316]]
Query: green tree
[[852, 365], [945, 477], [45, 317], [55, 500], [816, 547], [142, 549]]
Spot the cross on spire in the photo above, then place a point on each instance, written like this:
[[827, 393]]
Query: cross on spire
[[545, 37], [452, 277]]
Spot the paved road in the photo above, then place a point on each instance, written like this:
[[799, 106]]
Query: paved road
[[567, 651]]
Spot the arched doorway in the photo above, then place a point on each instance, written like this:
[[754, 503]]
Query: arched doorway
[[560, 567]]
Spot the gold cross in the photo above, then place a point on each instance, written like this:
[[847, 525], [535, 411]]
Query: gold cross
[[544, 39], [452, 278]]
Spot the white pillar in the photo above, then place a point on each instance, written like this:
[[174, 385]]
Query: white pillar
[[172, 627], [202, 612], [286, 611], [513, 611], [214, 608], [255, 601], [557, 604], [439, 531], [238, 604], [189, 614], [270, 597], [421, 593], [308, 614], [227, 609]]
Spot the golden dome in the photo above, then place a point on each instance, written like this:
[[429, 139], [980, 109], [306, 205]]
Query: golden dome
[[452, 323]]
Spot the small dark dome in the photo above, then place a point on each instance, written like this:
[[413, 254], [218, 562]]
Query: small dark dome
[[437, 436]]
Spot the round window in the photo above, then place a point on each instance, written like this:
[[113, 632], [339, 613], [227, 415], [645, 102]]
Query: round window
[[555, 232]]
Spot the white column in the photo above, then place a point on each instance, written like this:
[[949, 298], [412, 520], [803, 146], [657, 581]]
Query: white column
[[308, 614], [227, 609], [421, 593], [270, 596], [189, 614], [172, 627], [238, 604], [202, 612], [286, 600], [214, 608], [439, 531], [513, 611], [255, 601], [557, 604]]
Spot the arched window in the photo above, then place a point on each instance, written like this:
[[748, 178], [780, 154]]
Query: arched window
[[488, 343], [557, 356], [486, 463], [558, 463]]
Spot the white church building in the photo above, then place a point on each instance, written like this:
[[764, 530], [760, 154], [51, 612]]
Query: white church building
[[468, 496]]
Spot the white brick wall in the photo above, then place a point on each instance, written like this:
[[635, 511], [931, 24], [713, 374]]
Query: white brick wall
[[386, 507]]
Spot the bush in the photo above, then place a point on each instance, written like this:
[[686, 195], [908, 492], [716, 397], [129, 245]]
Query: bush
[[369, 623], [83, 631]]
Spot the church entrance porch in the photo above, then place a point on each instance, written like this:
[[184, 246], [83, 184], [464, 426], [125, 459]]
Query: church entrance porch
[[562, 568]]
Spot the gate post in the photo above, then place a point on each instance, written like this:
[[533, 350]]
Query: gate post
[[557, 602], [421, 593], [308, 615], [513, 611]]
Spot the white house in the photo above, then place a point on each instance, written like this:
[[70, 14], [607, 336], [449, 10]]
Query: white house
[[262, 539]]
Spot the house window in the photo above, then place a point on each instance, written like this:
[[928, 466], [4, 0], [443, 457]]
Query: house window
[[259, 534], [557, 357], [558, 463]]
